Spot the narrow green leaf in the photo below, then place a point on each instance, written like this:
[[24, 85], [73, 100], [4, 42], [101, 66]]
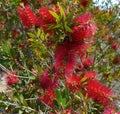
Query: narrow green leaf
[[31, 35], [83, 79], [55, 15], [62, 13], [58, 96], [67, 28], [23, 101], [55, 103], [70, 16], [6, 47], [38, 32], [64, 94], [63, 101]]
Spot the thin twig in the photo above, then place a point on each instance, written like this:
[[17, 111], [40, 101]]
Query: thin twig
[[7, 71], [16, 105]]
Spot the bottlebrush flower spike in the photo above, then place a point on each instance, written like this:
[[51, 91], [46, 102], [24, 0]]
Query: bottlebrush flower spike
[[27, 16], [90, 74], [84, 18], [99, 92], [84, 28], [45, 15], [48, 97], [82, 49], [87, 62], [66, 55], [11, 79], [30, 15], [73, 83], [71, 62], [60, 53], [46, 82], [109, 110], [81, 32], [44, 18]]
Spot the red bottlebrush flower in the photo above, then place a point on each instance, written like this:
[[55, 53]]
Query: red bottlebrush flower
[[90, 74], [48, 97], [11, 79], [109, 110], [27, 16], [84, 3], [87, 62], [84, 18], [81, 32], [115, 45], [73, 83], [46, 82], [99, 92], [82, 49], [60, 53], [66, 55], [84, 28], [44, 18], [25, 2], [71, 62], [45, 15]]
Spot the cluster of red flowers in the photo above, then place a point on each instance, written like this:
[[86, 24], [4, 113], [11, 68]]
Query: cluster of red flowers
[[99, 92], [27, 16], [84, 28], [11, 79], [47, 82], [110, 110], [70, 56], [48, 97]]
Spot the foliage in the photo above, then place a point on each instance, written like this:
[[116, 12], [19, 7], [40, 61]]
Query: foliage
[[58, 57]]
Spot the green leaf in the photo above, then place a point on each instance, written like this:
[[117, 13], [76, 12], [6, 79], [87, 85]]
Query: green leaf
[[70, 16], [62, 13], [58, 96], [7, 47], [55, 15], [38, 32], [63, 101], [23, 101], [67, 28], [54, 26], [68, 104], [65, 94], [55, 103], [31, 35], [20, 112]]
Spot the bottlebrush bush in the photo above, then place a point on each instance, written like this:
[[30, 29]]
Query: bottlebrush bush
[[58, 57]]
